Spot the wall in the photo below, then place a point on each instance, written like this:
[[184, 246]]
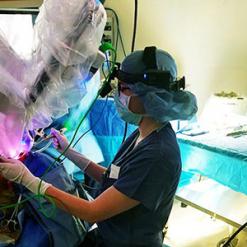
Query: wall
[[207, 38], [20, 3]]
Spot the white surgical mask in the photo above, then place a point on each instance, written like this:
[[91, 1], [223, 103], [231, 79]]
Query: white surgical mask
[[124, 99], [122, 105]]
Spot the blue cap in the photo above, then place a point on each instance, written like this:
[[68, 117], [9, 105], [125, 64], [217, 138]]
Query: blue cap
[[134, 63], [160, 104]]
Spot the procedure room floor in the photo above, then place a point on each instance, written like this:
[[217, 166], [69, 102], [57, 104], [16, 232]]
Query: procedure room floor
[[189, 227]]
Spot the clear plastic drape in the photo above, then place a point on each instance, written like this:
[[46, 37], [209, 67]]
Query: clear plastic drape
[[42, 88]]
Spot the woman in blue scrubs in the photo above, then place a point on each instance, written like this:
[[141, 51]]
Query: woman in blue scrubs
[[138, 188]]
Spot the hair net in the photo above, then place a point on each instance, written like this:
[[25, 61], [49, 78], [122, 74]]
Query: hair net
[[160, 104]]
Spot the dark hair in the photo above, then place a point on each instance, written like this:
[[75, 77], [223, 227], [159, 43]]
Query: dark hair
[[102, 1]]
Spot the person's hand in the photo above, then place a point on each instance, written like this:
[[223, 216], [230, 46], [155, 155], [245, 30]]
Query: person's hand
[[16, 171], [60, 142]]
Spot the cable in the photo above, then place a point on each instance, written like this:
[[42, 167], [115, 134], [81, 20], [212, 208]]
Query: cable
[[76, 131], [135, 26], [227, 244], [106, 47], [82, 119], [96, 122], [39, 196], [132, 49], [125, 132], [118, 31], [49, 198], [43, 148]]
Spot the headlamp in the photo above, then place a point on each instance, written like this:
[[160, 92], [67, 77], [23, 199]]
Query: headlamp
[[152, 76]]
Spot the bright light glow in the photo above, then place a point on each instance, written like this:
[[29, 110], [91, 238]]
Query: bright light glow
[[221, 113], [189, 227], [13, 154], [18, 29]]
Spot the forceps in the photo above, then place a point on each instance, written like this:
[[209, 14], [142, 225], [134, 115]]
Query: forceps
[[11, 224]]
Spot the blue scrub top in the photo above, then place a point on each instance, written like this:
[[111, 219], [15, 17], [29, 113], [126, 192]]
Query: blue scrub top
[[149, 173]]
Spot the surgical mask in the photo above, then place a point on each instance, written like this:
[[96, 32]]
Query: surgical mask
[[122, 105]]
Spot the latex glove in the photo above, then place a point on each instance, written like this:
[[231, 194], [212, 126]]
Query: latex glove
[[60, 141], [16, 171]]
